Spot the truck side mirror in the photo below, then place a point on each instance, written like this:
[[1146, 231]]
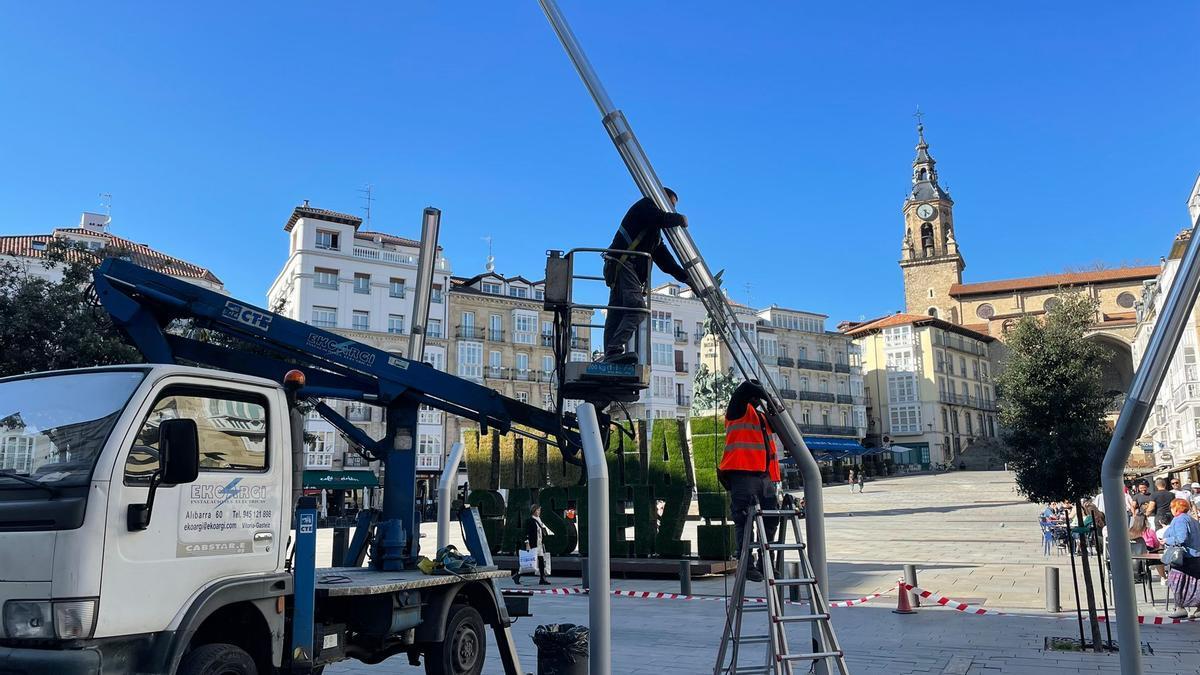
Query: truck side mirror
[[178, 462], [178, 451]]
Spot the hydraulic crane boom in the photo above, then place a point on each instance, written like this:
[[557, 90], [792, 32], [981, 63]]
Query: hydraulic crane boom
[[744, 352]]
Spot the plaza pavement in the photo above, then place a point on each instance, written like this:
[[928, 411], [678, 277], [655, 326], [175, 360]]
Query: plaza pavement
[[972, 538]]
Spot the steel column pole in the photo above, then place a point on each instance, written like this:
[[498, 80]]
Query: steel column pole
[[725, 321], [599, 617], [446, 485], [430, 225], [1172, 321]]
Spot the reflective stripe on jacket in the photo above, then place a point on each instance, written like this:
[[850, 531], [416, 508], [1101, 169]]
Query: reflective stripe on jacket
[[749, 446]]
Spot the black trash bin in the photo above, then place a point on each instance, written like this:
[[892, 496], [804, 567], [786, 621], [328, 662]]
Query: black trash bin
[[562, 649]]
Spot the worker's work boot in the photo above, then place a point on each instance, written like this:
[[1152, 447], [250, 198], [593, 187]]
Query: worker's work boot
[[754, 575], [621, 358]]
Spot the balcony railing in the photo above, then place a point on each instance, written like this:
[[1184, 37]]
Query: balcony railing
[[697, 337], [547, 339], [814, 365], [842, 367], [436, 296], [785, 361], [826, 430], [469, 332], [517, 374], [845, 398], [822, 396], [495, 335], [958, 343], [681, 367], [967, 400], [579, 343], [494, 372], [681, 336], [683, 400], [789, 394], [384, 255]]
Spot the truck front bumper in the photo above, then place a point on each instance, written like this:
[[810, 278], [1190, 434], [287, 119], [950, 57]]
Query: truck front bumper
[[24, 661]]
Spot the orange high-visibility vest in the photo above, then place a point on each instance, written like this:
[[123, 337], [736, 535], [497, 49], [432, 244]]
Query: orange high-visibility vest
[[749, 446]]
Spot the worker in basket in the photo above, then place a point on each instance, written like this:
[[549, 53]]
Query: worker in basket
[[749, 468], [627, 276]]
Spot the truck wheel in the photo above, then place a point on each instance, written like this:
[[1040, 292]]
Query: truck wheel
[[217, 659], [465, 647]]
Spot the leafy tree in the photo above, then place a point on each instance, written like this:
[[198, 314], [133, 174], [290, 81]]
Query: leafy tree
[[1052, 409], [47, 324]]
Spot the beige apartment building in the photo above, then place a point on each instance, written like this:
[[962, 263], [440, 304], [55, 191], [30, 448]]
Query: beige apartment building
[[500, 336], [928, 387]]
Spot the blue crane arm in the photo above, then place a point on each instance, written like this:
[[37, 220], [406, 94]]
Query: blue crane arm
[[142, 303]]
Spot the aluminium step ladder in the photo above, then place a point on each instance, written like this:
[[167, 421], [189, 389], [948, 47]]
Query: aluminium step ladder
[[773, 558]]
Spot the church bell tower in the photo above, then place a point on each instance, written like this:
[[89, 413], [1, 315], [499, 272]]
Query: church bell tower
[[929, 255]]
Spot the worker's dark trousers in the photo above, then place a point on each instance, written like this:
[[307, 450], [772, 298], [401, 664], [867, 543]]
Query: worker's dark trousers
[[744, 489], [624, 290]]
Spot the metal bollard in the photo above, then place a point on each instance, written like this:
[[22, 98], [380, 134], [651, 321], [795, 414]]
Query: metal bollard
[[338, 557], [1053, 603], [793, 572], [910, 578], [583, 568], [685, 577]]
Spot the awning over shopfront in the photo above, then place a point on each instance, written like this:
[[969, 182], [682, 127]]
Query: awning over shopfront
[[828, 449], [340, 480]]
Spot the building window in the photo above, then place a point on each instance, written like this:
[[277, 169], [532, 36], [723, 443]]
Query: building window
[[968, 423], [494, 289], [319, 454], [429, 415], [933, 312], [436, 294], [962, 366], [523, 396], [470, 360], [660, 322], [905, 419], [327, 240], [940, 357], [360, 320], [578, 356], [434, 328], [663, 386], [547, 364], [524, 327], [396, 287], [518, 292], [845, 418], [16, 453], [325, 317], [539, 294], [362, 284], [806, 416], [395, 324], [945, 420], [436, 360], [429, 451], [548, 401], [902, 389], [522, 366], [1126, 300], [662, 354], [985, 311], [325, 278], [357, 411]]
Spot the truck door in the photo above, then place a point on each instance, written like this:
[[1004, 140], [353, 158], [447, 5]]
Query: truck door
[[227, 523]]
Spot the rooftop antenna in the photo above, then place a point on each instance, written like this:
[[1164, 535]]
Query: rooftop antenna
[[749, 294], [491, 259], [106, 202], [368, 196]]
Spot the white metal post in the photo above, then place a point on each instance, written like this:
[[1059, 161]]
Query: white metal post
[[446, 486], [599, 616]]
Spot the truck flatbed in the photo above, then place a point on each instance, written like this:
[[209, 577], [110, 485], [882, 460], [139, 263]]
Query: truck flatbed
[[343, 581]]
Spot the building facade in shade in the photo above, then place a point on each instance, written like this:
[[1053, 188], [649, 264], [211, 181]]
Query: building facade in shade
[[500, 336], [932, 264], [1171, 437], [928, 387], [676, 330], [360, 284], [94, 233]]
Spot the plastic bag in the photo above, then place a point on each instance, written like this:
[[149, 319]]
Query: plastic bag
[[565, 639], [527, 560]]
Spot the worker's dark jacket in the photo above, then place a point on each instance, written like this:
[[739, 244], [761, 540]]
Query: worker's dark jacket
[[641, 230]]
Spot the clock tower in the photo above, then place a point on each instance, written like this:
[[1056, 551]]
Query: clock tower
[[929, 255]]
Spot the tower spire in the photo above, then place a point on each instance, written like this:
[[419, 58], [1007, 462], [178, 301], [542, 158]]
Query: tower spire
[[924, 176]]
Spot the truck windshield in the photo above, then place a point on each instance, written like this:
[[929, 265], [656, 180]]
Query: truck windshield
[[52, 428]]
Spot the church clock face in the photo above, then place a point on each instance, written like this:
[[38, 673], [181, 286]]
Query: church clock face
[[926, 211]]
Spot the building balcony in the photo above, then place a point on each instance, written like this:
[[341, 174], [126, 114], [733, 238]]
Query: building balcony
[[683, 400], [681, 368], [547, 339], [697, 337], [785, 361], [383, 255], [495, 335], [842, 367], [826, 430], [579, 343], [681, 336], [958, 343], [469, 332], [494, 372], [814, 365], [789, 394], [360, 415], [822, 396], [845, 398]]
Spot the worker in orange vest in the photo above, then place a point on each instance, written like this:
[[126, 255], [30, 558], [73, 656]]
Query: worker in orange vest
[[749, 468]]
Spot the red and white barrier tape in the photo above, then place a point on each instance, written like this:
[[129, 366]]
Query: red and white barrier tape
[[575, 590], [971, 609]]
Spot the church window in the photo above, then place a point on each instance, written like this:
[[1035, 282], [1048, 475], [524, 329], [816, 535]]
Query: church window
[[927, 237], [933, 312], [1050, 304], [922, 174], [931, 292], [1126, 300], [985, 311]]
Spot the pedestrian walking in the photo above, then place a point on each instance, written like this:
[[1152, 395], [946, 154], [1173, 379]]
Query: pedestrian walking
[[749, 467], [535, 531], [1184, 577], [862, 479], [852, 480]]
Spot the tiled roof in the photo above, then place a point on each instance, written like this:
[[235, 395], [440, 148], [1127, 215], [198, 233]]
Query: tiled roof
[[468, 281], [1056, 280], [387, 238], [23, 245], [322, 214], [901, 319]]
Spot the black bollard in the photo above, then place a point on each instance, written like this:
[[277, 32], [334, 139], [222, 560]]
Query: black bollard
[[339, 547], [685, 577], [1053, 604]]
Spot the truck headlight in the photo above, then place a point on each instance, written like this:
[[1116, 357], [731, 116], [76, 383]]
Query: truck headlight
[[28, 619], [75, 619], [44, 619]]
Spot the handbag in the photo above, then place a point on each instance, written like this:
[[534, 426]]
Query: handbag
[[546, 561], [527, 561], [1172, 556]]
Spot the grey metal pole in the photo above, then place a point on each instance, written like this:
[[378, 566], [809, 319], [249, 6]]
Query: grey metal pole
[[910, 578], [445, 490], [743, 351], [427, 258], [685, 577], [1053, 599], [599, 616], [1149, 378]]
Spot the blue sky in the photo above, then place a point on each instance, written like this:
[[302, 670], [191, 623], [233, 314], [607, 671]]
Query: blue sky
[[1067, 132]]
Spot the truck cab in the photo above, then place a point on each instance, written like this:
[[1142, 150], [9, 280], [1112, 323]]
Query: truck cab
[[85, 585]]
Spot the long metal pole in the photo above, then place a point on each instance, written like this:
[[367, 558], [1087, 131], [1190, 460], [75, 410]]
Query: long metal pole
[[1172, 321], [742, 349], [446, 485], [599, 616], [430, 225]]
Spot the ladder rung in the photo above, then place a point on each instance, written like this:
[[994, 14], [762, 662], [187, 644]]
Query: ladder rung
[[755, 607], [783, 547], [752, 670], [801, 617], [793, 582], [813, 656], [780, 512], [754, 639]]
